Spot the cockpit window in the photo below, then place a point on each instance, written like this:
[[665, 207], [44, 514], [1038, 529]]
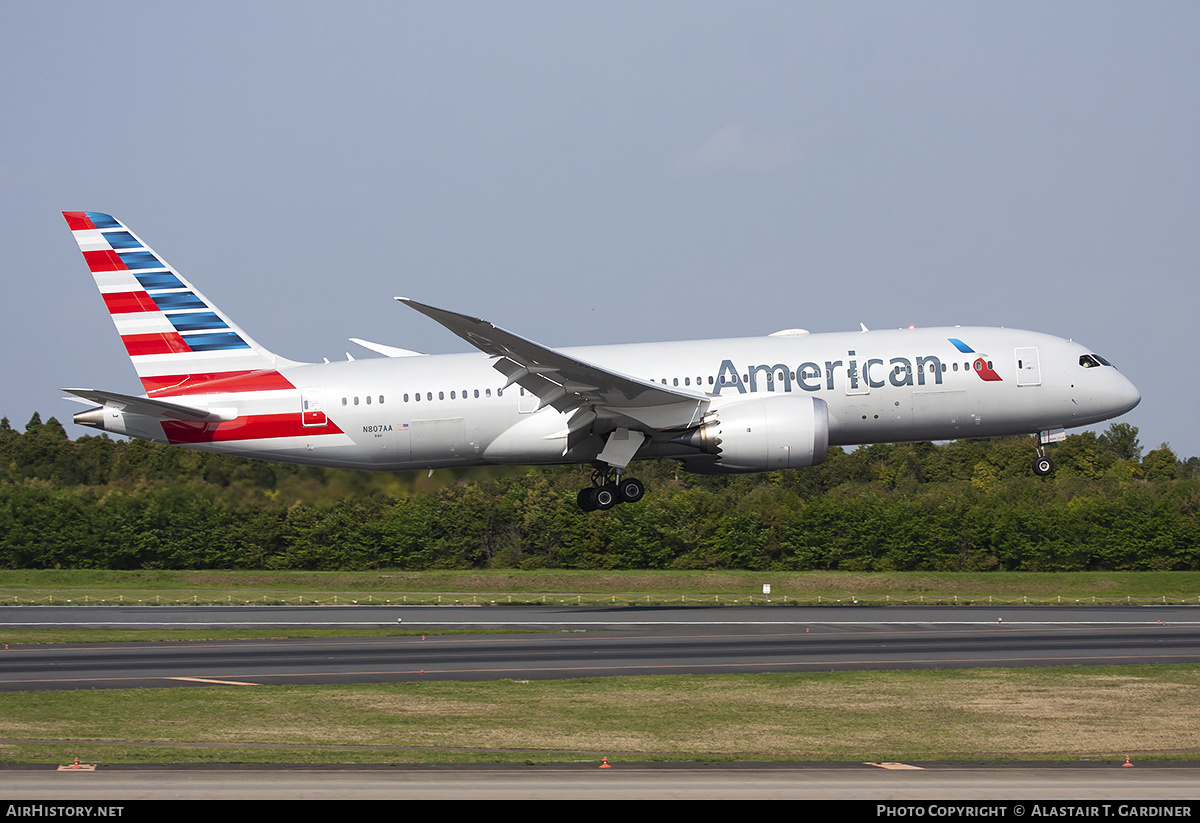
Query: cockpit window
[[1091, 361]]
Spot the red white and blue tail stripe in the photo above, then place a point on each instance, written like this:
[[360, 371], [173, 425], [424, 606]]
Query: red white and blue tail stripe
[[179, 342]]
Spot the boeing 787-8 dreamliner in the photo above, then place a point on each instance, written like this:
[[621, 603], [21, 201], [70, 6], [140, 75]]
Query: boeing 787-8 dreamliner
[[749, 404]]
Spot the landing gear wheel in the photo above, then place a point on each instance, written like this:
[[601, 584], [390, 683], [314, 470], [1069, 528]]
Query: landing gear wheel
[[605, 497], [1043, 466], [584, 499], [631, 490]]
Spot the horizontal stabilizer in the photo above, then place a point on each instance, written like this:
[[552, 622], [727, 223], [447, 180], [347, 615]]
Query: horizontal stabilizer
[[157, 409]]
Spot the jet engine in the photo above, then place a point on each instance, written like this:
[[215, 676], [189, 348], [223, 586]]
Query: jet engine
[[782, 431]]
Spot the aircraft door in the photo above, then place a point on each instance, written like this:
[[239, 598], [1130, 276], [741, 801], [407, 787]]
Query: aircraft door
[[312, 407], [1029, 370], [856, 380]]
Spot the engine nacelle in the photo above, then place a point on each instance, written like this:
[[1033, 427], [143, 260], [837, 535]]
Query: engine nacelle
[[781, 431]]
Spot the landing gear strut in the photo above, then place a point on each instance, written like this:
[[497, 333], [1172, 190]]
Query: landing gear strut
[[608, 489]]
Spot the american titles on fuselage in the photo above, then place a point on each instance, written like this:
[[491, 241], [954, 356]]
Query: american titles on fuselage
[[812, 377]]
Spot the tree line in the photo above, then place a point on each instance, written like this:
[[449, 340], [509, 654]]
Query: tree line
[[968, 505]]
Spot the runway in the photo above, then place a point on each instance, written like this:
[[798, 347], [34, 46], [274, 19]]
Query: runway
[[560, 642], [1095, 786]]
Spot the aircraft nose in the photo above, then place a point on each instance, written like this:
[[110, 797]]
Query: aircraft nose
[[1125, 394]]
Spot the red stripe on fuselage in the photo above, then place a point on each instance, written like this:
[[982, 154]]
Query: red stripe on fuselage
[[78, 220], [157, 343], [256, 427], [104, 260], [167, 385], [127, 302]]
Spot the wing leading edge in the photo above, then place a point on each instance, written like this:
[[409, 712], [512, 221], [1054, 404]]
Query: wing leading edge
[[569, 384]]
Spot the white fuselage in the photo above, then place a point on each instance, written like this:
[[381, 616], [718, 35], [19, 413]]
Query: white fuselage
[[880, 386]]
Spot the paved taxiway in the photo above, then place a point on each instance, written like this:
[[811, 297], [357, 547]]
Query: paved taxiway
[[586, 642]]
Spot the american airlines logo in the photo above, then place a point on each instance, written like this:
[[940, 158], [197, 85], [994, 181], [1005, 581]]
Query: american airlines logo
[[872, 373]]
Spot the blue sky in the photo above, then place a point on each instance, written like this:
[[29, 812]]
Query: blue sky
[[610, 172]]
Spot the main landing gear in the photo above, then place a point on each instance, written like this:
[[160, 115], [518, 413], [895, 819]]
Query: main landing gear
[[608, 486], [608, 489]]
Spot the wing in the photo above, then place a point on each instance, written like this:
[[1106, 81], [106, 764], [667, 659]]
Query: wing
[[570, 384]]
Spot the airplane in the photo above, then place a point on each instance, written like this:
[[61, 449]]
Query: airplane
[[752, 404]]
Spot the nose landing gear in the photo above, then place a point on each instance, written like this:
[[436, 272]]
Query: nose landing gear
[[1043, 466]]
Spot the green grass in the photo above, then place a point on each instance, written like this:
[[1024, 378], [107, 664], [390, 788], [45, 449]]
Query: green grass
[[1089, 713], [557, 586]]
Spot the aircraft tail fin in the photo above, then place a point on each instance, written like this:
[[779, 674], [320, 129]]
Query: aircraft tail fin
[[179, 342]]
